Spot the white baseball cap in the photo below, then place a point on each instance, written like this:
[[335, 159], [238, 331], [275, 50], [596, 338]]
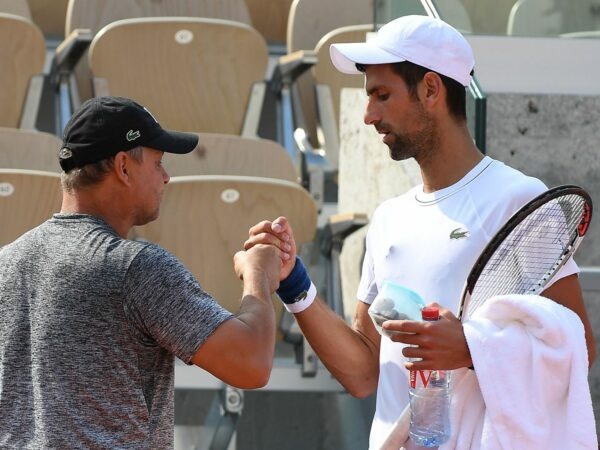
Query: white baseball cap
[[421, 40]]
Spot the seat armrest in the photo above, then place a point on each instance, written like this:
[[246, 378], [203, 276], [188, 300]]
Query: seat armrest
[[289, 67], [68, 54], [31, 105], [338, 228], [254, 110]]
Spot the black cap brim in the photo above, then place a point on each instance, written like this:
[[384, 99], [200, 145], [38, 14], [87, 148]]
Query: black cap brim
[[173, 142]]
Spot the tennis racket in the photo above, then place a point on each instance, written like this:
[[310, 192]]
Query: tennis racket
[[522, 258], [526, 253]]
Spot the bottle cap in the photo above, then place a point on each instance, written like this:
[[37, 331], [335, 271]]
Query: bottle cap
[[430, 313]]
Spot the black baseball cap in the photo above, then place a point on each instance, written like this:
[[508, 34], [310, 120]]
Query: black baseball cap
[[105, 126]]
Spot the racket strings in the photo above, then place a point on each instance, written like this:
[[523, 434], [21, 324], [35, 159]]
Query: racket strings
[[531, 252]]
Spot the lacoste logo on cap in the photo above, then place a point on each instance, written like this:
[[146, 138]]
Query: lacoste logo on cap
[[459, 233], [132, 135]]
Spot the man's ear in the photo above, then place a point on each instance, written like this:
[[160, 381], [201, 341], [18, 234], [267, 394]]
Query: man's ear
[[121, 167], [432, 89]]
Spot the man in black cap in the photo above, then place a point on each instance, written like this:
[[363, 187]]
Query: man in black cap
[[90, 322]]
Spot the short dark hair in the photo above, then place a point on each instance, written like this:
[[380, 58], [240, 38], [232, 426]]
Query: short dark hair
[[413, 73]]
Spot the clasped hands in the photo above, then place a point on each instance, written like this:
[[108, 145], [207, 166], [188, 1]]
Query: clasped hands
[[441, 344]]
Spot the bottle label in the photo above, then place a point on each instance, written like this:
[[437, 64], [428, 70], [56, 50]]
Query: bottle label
[[420, 378]]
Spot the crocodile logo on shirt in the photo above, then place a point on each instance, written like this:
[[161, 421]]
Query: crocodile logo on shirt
[[459, 233]]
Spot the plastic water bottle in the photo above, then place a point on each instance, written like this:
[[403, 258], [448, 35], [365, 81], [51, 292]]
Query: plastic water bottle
[[429, 400]]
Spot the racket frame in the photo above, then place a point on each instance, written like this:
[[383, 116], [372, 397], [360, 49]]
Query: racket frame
[[513, 222]]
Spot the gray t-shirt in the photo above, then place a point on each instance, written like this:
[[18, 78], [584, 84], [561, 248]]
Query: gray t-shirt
[[89, 324]]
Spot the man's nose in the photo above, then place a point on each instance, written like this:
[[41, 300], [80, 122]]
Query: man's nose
[[371, 116]]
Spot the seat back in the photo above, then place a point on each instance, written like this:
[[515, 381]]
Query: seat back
[[27, 198], [324, 71], [552, 17], [220, 154], [204, 221], [454, 13], [16, 7], [325, 86], [95, 14], [50, 16], [22, 52], [450, 11], [28, 149], [195, 74], [270, 18], [309, 20]]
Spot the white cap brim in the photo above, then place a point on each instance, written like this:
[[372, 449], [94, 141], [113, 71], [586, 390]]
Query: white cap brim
[[346, 56]]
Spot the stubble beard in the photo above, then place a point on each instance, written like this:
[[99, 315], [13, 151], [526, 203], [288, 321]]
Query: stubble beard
[[420, 144]]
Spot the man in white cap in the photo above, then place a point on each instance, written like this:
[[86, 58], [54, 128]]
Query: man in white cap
[[416, 71]]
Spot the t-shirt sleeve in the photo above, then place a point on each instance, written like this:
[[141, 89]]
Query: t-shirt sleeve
[[367, 287], [166, 304]]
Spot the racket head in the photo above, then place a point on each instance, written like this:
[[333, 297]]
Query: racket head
[[526, 253]]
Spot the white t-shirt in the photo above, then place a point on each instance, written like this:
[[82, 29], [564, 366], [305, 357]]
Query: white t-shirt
[[428, 243]]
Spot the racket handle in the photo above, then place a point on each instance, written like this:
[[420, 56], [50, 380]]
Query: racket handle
[[399, 434]]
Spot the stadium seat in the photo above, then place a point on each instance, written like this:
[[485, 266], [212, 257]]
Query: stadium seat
[[50, 16], [205, 219], [22, 52], [270, 18], [221, 154], [28, 149], [488, 17], [96, 14], [85, 18], [309, 96], [309, 20], [16, 7], [294, 85], [328, 85], [201, 75], [27, 198], [551, 18]]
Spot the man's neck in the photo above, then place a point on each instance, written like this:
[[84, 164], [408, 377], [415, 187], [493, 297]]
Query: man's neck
[[455, 157], [112, 214]]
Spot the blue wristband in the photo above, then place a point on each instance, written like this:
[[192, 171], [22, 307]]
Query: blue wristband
[[297, 284]]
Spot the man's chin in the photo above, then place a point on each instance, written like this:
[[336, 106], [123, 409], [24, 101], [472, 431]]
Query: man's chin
[[398, 155], [146, 219]]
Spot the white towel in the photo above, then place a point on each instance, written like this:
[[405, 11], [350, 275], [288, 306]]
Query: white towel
[[530, 387]]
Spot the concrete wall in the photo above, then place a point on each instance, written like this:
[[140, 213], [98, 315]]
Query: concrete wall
[[555, 138], [542, 118]]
